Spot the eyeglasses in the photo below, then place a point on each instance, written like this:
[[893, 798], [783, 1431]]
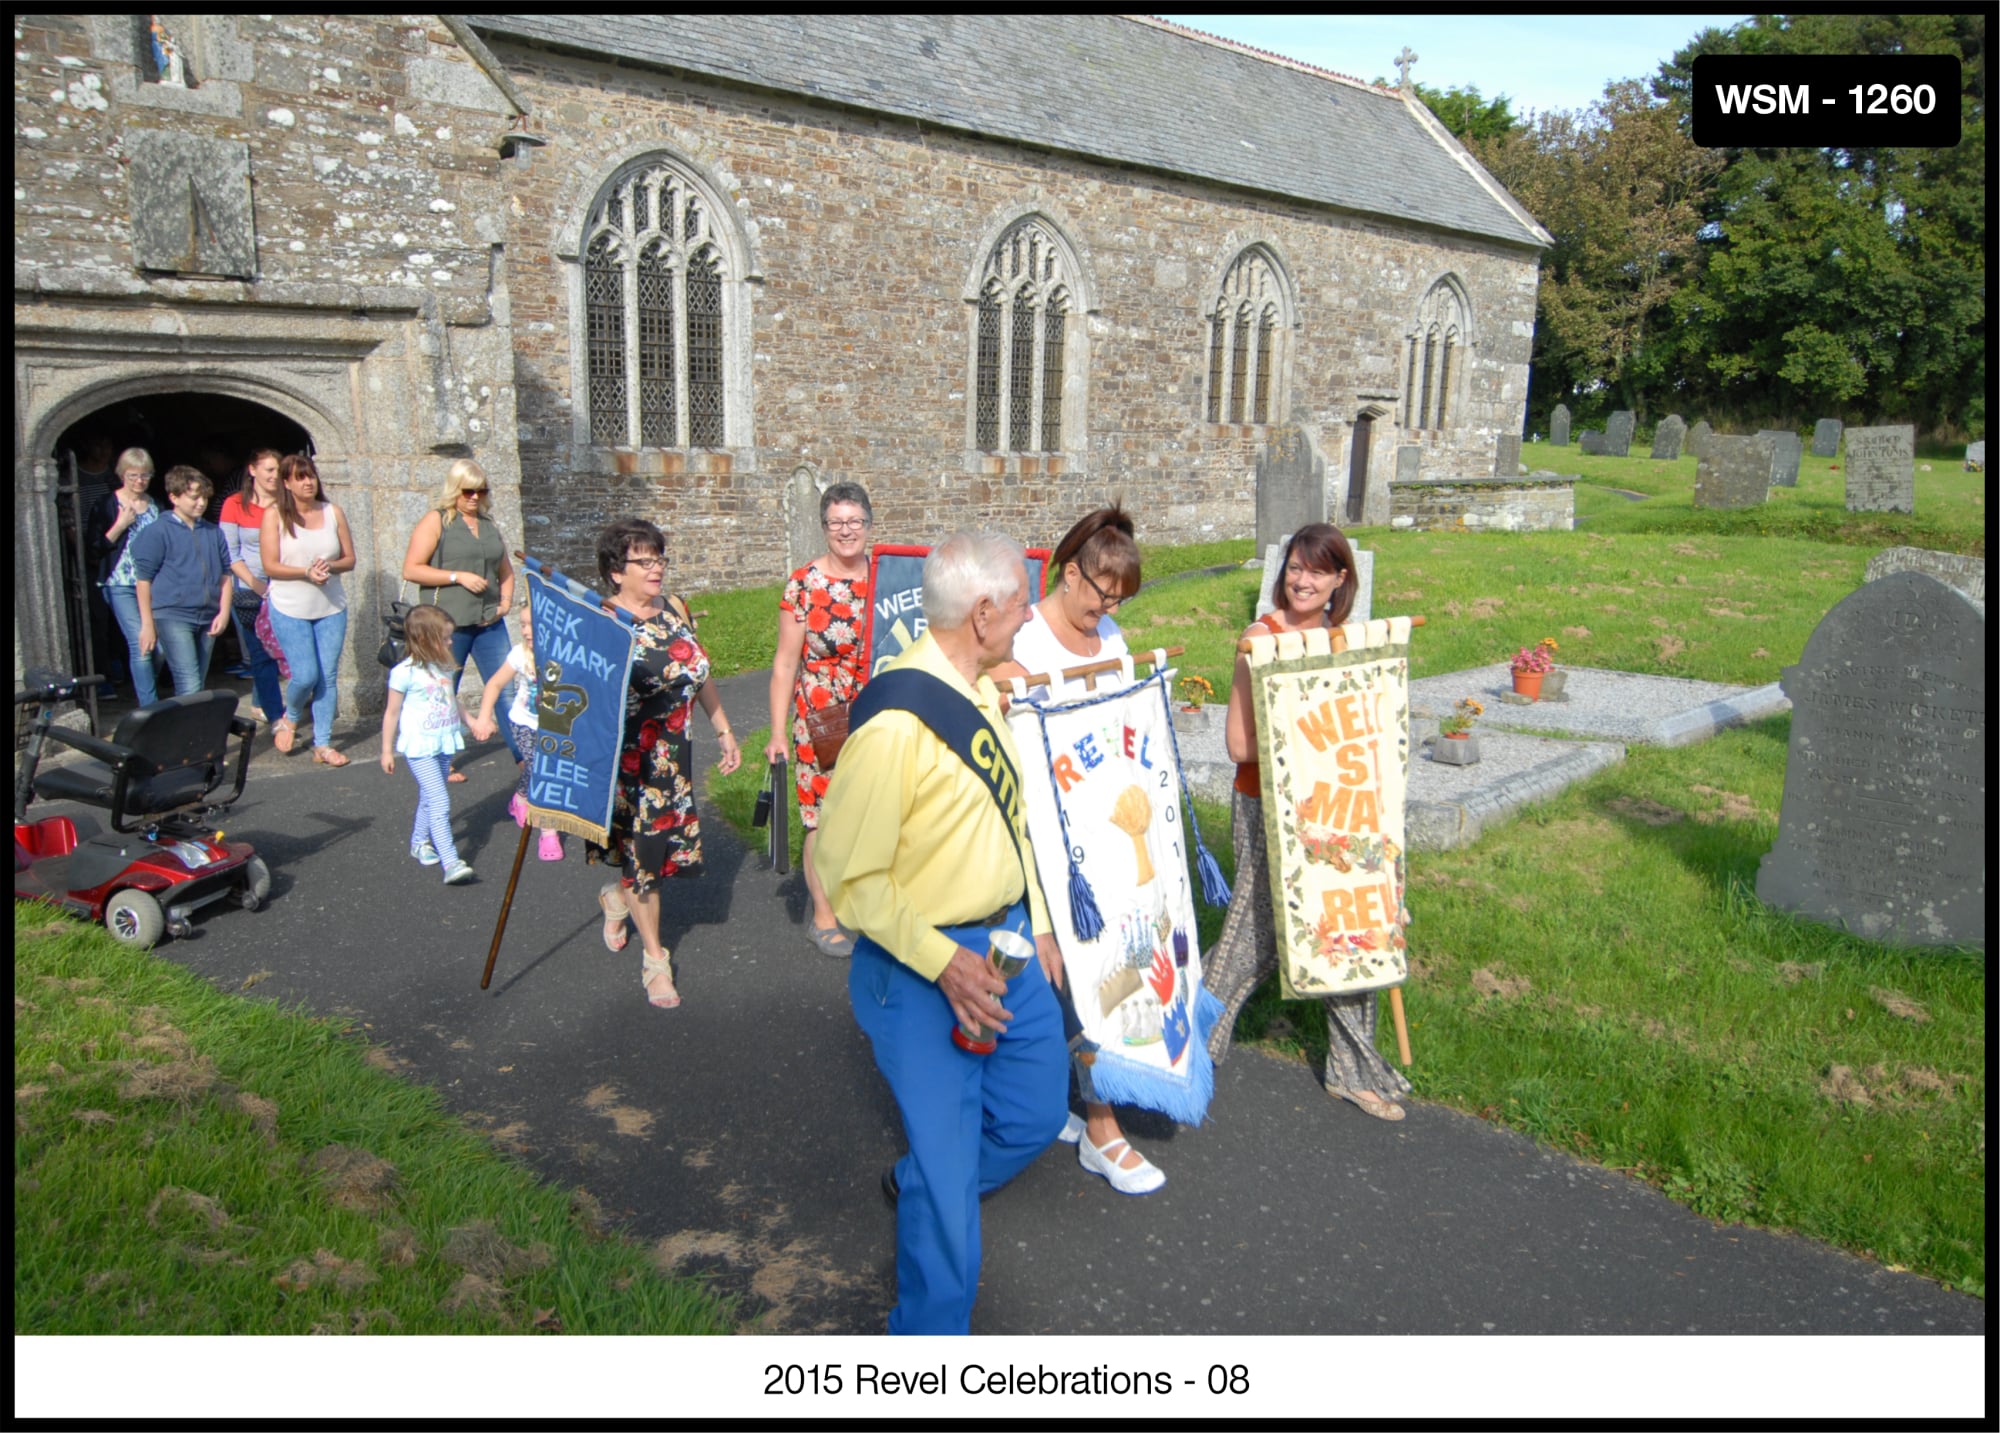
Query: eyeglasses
[[1110, 603], [651, 564], [475, 492], [857, 524]]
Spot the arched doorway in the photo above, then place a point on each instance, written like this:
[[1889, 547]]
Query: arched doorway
[[215, 432]]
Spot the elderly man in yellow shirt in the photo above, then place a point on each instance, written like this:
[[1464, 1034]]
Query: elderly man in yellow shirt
[[923, 850]]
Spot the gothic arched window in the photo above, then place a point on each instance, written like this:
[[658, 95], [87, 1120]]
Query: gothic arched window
[[1436, 355], [1022, 338], [1249, 318], [655, 268]]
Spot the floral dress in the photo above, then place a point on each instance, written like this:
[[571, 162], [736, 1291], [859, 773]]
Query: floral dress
[[829, 665], [655, 830]]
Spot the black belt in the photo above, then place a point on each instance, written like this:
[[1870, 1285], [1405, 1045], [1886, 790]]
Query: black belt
[[994, 919]]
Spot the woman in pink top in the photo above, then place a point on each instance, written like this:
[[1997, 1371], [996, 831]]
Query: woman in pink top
[[243, 530]]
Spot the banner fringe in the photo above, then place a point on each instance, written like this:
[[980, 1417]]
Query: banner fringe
[[1184, 1099], [565, 822]]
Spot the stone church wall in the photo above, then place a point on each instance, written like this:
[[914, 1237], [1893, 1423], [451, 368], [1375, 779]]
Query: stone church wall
[[865, 232], [373, 311]]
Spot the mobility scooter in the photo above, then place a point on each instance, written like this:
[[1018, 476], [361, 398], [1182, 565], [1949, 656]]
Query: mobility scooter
[[156, 777]]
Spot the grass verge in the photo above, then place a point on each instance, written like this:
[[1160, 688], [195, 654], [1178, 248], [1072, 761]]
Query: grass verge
[[192, 1162]]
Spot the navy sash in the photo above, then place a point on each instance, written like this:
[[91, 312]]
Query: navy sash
[[957, 723]]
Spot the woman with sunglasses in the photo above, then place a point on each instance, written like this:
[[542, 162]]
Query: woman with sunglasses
[[1097, 563], [305, 546], [655, 829], [818, 665], [458, 560]]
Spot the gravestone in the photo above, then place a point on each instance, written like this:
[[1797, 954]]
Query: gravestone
[[806, 539], [1883, 826], [1592, 441], [1975, 457], [1507, 456], [1291, 484], [1364, 572], [1967, 574], [1409, 460], [1735, 472], [1559, 426], [1785, 452], [1698, 436], [1667, 438], [1881, 469], [1618, 433], [191, 207], [1826, 438]]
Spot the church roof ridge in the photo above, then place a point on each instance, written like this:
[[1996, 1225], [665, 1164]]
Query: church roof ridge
[[1127, 89], [1224, 42]]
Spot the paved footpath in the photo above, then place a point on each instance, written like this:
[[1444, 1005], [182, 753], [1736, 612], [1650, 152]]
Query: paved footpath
[[749, 1127]]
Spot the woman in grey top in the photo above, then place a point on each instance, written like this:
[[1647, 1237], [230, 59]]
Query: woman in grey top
[[458, 560]]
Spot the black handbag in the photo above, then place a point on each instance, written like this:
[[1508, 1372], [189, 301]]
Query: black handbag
[[394, 647]]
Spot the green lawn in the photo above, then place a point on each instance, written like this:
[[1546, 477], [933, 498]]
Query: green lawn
[[191, 1161], [1598, 973]]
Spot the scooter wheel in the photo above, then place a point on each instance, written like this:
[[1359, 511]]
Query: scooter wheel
[[134, 918], [256, 884]]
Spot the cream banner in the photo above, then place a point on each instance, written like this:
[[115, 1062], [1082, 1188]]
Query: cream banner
[[1333, 732]]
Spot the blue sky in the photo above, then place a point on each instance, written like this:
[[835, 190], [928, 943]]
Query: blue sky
[[1542, 62]]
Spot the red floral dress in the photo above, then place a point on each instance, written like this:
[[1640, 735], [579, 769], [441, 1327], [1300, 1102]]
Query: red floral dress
[[655, 830], [832, 609]]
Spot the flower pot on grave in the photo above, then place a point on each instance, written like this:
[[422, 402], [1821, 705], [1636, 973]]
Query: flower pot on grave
[[1529, 685], [1552, 684], [1191, 721], [1459, 750]]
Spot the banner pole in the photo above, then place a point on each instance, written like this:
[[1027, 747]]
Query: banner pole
[[1402, 1025], [507, 904]]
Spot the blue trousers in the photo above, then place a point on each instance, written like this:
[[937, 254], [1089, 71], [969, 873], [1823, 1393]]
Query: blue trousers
[[124, 602], [186, 646], [973, 1121], [488, 647], [263, 664], [312, 646], [433, 822]]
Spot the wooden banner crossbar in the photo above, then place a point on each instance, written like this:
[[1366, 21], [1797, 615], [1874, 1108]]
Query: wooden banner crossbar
[[1091, 671], [1243, 647]]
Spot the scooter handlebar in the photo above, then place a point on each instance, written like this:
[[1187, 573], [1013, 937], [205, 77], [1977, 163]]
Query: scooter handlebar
[[53, 686]]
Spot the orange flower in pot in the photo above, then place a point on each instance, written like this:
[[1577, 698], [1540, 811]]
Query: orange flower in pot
[[1530, 665]]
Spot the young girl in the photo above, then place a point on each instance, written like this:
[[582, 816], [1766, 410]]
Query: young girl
[[520, 664], [423, 716]]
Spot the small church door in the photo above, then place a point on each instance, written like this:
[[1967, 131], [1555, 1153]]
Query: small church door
[[1357, 468]]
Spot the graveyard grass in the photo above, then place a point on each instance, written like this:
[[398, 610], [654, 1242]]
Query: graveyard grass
[[1598, 973], [191, 1161]]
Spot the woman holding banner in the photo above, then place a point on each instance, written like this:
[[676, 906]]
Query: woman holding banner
[[655, 831], [1098, 563], [1315, 588], [818, 665]]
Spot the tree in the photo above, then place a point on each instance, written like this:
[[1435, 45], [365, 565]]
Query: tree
[[1469, 116]]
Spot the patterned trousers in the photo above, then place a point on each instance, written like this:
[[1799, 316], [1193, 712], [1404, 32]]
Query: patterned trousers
[[1247, 951]]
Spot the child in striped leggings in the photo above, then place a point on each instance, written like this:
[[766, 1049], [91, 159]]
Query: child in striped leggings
[[422, 722]]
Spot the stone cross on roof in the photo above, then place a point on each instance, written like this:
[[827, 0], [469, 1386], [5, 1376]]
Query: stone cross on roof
[[1403, 63]]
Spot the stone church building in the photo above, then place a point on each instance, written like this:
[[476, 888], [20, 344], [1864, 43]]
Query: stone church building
[[696, 269]]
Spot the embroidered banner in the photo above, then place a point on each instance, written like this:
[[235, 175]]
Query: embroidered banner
[[583, 661], [1333, 736], [896, 605], [1104, 793]]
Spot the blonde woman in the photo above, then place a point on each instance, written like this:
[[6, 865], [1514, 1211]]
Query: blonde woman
[[458, 560]]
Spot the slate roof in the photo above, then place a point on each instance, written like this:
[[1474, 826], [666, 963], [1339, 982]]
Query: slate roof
[[1117, 88]]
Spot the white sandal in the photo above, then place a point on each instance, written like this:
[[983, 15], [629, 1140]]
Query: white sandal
[[656, 965], [1142, 1180]]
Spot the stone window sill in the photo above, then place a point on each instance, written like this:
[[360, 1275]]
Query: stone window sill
[[998, 465], [215, 97]]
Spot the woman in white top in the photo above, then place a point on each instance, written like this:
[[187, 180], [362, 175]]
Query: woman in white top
[[305, 545], [1099, 565]]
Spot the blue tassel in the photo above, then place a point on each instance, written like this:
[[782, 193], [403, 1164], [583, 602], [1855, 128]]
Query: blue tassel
[[1214, 890], [1083, 914]]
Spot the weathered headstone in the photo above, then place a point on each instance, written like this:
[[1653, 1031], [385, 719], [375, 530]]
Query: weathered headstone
[[1785, 452], [1826, 438], [1735, 472], [1618, 433], [1975, 457], [1409, 462], [1507, 455], [1881, 469], [805, 538], [1668, 436], [1698, 436], [1274, 566], [1591, 441], [1883, 826], [1967, 574], [1291, 484], [1559, 426]]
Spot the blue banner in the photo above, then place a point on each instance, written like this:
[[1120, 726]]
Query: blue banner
[[896, 599], [583, 662]]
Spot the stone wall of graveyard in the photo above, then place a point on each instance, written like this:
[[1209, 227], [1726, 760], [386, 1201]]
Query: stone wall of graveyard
[[1484, 505]]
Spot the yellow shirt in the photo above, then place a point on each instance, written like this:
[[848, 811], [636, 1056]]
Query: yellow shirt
[[910, 838]]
